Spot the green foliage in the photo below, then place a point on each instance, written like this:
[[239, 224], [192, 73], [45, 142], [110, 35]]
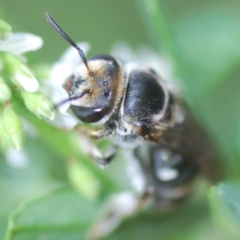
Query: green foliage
[[62, 214], [224, 200], [5, 29], [12, 128]]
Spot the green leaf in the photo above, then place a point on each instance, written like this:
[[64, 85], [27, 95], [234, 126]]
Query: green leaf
[[83, 179], [61, 215], [203, 41], [160, 29], [224, 201], [207, 40], [155, 18]]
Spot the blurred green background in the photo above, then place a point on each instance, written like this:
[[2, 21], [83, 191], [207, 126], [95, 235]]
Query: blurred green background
[[203, 40], [99, 23]]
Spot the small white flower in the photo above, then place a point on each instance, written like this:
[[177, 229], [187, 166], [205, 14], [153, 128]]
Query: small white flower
[[17, 159], [67, 64], [53, 89], [19, 43], [145, 56]]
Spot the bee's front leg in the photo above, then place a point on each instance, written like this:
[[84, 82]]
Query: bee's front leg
[[90, 148], [103, 159], [94, 134]]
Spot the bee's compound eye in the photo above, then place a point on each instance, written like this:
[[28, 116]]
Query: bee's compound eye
[[89, 115]]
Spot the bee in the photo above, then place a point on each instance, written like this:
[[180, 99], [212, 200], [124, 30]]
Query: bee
[[136, 110]]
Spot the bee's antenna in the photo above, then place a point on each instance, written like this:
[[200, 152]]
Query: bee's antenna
[[64, 35]]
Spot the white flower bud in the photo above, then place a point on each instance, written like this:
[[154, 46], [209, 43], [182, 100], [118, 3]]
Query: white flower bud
[[5, 29], [38, 104], [19, 73], [13, 129], [5, 92], [24, 78]]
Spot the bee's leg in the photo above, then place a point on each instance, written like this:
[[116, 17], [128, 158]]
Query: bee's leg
[[171, 173], [87, 135], [94, 134], [118, 208], [103, 159]]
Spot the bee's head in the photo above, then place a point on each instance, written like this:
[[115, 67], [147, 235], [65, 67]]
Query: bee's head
[[99, 90], [95, 88]]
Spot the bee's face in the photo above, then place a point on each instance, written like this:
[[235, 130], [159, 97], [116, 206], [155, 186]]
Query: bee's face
[[100, 89]]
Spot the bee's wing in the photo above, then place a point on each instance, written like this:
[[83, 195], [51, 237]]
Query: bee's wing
[[181, 152], [189, 139]]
